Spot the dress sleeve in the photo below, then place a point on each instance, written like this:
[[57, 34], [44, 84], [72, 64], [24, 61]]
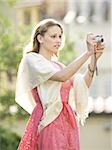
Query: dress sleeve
[[33, 70], [81, 97]]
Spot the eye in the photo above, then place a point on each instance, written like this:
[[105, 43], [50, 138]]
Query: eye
[[53, 36]]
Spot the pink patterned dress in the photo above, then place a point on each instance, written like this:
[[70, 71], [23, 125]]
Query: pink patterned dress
[[61, 134]]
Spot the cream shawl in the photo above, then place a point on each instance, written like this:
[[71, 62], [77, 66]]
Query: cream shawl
[[35, 71]]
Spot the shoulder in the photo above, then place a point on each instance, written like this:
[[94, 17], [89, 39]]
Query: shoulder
[[38, 61], [32, 55], [34, 58]]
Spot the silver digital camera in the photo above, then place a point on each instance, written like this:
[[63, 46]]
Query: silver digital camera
[[99, 38]]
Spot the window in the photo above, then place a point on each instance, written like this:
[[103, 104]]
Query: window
[[105, 9], [27, 17], [91, 10]]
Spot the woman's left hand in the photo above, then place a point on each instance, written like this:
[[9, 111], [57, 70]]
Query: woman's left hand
[[99, 49]]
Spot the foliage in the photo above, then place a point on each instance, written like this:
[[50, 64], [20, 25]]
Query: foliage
[[11, 38], [10, 55], [10, 52], [9, 2], [8, 108], [68, 53], [8, 139]]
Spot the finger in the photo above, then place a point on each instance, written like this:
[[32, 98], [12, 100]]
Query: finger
[[90, 36], [101, 43], [97, 48], [100, 46], [99, 51]]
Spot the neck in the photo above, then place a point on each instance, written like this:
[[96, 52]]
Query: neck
[[47, 54]]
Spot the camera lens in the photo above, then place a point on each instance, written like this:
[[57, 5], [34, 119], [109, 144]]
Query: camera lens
[[102, 40], [99, 39]]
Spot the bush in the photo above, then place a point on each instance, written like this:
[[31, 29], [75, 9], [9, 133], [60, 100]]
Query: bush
[[8, 140], [7, 99], [68, 53]]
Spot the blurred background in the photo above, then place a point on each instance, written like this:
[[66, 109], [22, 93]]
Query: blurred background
[[79, 17]]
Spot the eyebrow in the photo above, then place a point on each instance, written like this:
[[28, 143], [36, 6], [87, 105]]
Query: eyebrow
[[53, 34]]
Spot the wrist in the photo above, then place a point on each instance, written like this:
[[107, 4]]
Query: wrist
[[93, 61], [92, 66], [91, 70], [88, 54]]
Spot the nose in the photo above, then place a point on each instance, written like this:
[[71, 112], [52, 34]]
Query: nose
[[58, 40]]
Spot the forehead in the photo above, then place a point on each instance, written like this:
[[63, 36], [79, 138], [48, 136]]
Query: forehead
[[54, 29]]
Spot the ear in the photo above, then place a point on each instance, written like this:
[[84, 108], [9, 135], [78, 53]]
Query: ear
[[40, 38]]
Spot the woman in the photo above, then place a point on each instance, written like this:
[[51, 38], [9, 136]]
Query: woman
[[54, 95]]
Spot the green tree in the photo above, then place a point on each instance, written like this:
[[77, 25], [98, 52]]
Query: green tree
[[68, 53], [10, 55], [9, 2], [8, 139], [9, 51]]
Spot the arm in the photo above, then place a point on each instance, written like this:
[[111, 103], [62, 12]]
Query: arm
[[88, 77], [71, 69]]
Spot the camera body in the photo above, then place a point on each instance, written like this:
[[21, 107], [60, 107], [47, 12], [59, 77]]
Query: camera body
[[99, 38]]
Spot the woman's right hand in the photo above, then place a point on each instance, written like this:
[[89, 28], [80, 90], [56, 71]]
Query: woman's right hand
[[91, 43], [93, 46]]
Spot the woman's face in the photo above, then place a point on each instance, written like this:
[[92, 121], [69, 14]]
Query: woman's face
[[52, 39]]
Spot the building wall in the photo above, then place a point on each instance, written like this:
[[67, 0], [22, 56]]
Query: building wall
[[86, 20], [39, 11], [56, 8], [101, 85], [97, 133], [28, 15]]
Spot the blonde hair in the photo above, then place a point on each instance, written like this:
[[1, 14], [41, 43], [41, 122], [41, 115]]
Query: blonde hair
[[41, 28]]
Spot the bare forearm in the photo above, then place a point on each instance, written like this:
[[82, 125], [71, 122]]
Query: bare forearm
[[88, 77], [92, 66], [71, 69]]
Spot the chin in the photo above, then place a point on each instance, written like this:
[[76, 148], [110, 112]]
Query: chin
[[55, 52]]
